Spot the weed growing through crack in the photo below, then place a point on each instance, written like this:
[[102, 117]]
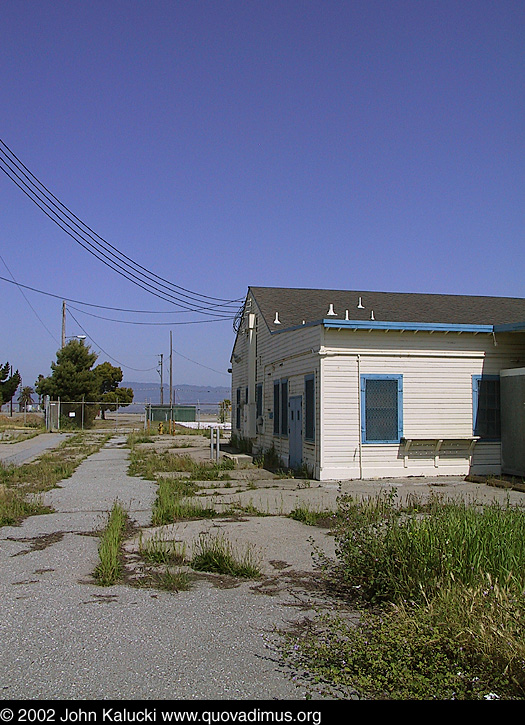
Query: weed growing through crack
[[158, 550], [109, 568], [217, 554], [21, 486]]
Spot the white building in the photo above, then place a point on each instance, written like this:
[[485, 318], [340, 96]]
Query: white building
[[372, 384]]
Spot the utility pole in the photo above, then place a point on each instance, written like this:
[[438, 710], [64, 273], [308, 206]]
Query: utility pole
[[63, 323], [171, 370], [161, 381]]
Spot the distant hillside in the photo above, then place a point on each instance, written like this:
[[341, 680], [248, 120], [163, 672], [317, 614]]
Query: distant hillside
[[207, 397]]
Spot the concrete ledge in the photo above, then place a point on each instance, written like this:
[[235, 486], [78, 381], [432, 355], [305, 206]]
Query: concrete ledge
[[240, 459]]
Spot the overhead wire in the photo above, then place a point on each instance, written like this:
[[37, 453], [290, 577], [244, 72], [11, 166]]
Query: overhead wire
[[103, 307], [105, 252], [13, 280], [165, 324], [195, 362], [118, 309], [139, 370]]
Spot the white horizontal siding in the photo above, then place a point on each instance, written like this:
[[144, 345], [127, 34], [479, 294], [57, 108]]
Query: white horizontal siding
[[289, 355], [437, 375]]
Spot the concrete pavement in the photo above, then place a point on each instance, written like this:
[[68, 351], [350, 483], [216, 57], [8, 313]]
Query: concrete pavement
[[64, 637], [28, 450]]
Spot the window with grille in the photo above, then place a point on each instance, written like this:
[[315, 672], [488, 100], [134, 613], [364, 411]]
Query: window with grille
[[381, 408], [486, 406]]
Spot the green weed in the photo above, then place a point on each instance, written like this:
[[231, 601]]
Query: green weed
[[217, 555], [448, 623], [109, 568]]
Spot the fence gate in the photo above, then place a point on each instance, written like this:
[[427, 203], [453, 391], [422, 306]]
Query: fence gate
[[52, 409]]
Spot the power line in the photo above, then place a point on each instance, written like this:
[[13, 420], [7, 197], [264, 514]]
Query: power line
[[137, 370], [107, 307], [165, 324], [220, 372], [100, 248], [24, 296]]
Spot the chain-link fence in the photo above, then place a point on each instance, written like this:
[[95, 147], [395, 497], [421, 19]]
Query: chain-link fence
[[65, 415]]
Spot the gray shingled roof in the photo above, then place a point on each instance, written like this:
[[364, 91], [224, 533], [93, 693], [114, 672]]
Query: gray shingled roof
[[311, 305]]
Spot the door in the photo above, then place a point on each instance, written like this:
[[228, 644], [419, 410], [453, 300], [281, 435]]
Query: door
[[295, 431]]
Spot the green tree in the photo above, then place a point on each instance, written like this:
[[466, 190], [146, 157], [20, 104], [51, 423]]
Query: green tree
[[25, 398], [110, 396], [9, 382], [73, 381]]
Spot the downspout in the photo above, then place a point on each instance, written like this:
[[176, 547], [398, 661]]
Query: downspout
[[359, 417]]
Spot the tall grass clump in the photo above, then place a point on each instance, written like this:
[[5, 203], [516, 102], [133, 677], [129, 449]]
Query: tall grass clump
[[393, 555], [446, 580], [174, 503], [14, 507], [159, 550], [217, 554], [109, 568]]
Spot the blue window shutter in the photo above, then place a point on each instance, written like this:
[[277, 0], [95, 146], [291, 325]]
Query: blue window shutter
[[381, 408]]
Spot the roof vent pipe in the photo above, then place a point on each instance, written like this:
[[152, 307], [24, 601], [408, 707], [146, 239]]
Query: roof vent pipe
[[360, 305], [277, 321], [331, 310], [347, 316], [372, 315]]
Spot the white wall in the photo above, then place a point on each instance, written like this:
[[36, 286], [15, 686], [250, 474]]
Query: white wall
[[437, 374]]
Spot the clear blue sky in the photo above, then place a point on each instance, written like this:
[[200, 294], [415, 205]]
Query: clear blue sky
[[367, 144]]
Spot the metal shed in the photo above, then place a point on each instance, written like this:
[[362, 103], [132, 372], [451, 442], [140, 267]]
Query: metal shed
[[165, 413]]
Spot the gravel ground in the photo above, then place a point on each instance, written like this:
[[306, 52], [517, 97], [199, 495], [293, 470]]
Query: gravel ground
[[64, 637]]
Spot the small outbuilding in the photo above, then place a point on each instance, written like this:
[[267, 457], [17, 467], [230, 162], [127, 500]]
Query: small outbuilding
[[356, 384]]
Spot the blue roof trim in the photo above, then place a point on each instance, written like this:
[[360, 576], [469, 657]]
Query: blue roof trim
[[406, 326], [409, 326], [510, 327]]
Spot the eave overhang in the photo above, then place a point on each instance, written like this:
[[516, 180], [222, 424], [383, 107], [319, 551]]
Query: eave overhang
[[405, 326]]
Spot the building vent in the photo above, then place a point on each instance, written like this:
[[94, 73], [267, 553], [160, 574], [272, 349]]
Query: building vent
[[331, 311]]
